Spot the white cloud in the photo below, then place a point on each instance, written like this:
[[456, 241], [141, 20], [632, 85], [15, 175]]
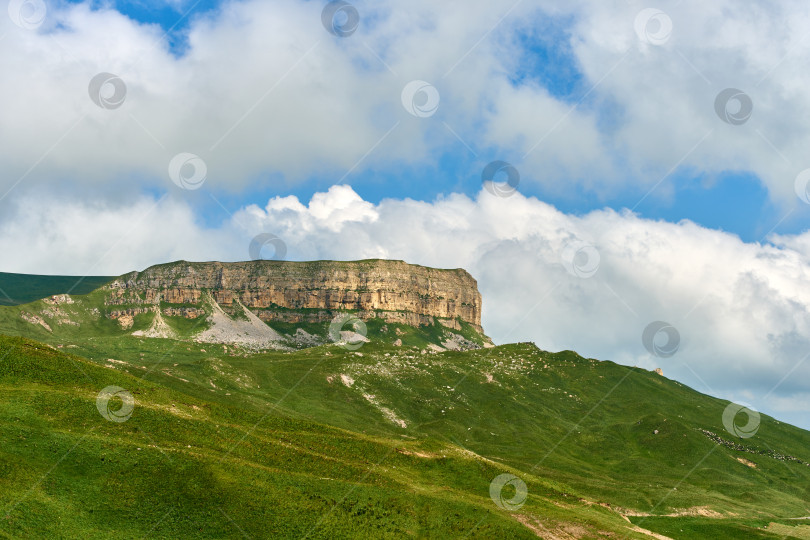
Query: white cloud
[[741, 309], [49, 236], [264, 89]]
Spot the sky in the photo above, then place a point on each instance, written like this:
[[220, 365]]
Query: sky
[[597, 166]]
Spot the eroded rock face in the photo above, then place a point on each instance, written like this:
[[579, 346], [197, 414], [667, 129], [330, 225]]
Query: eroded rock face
[[58, 299], [307, 291], [35, 319], [185, 312]]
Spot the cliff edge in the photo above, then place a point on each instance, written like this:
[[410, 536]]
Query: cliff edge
[[308, 292]]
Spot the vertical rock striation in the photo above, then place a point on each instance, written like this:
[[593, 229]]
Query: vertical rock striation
[[309, 291]]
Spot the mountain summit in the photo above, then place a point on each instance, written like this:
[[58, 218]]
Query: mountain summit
[[356, 399], [278, 304]]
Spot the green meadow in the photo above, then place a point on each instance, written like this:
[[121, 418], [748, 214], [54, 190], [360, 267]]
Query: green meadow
[[382, 442]]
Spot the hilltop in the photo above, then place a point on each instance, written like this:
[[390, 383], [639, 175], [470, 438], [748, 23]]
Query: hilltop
[[268, 304], [369, 438]]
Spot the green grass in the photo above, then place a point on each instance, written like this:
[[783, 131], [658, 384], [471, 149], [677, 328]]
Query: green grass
[[383, 442], [689, 527], [16, 289], [177, 467], [321, 447]]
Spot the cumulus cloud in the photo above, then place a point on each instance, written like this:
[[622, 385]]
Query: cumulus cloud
[[741, 309], [264, 90], [264, 93]]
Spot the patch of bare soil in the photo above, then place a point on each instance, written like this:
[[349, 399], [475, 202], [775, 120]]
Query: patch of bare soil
[[557, 531], [35, 319], [650, 533], [747, 462], [695, 511], [417, 453]]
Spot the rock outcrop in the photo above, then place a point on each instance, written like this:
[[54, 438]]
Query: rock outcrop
[[308, 291]]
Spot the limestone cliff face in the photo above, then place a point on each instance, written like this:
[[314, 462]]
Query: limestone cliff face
[[307, 291]]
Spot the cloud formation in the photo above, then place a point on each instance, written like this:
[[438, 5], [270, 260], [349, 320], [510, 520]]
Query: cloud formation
[[264, 91], [590, 283]]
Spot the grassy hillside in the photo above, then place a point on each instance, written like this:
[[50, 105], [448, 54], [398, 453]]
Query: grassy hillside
[[385, 441], [18, 289], [177, 467], [392, 443]]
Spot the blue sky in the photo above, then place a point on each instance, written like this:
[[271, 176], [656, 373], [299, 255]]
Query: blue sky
[[732, 201], [173, 17]]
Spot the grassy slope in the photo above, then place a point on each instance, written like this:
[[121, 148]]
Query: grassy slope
[[174, 470], [577, 430], [322, 440], [18, 289]]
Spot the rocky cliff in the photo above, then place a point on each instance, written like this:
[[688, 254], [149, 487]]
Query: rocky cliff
[[305, 291]]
